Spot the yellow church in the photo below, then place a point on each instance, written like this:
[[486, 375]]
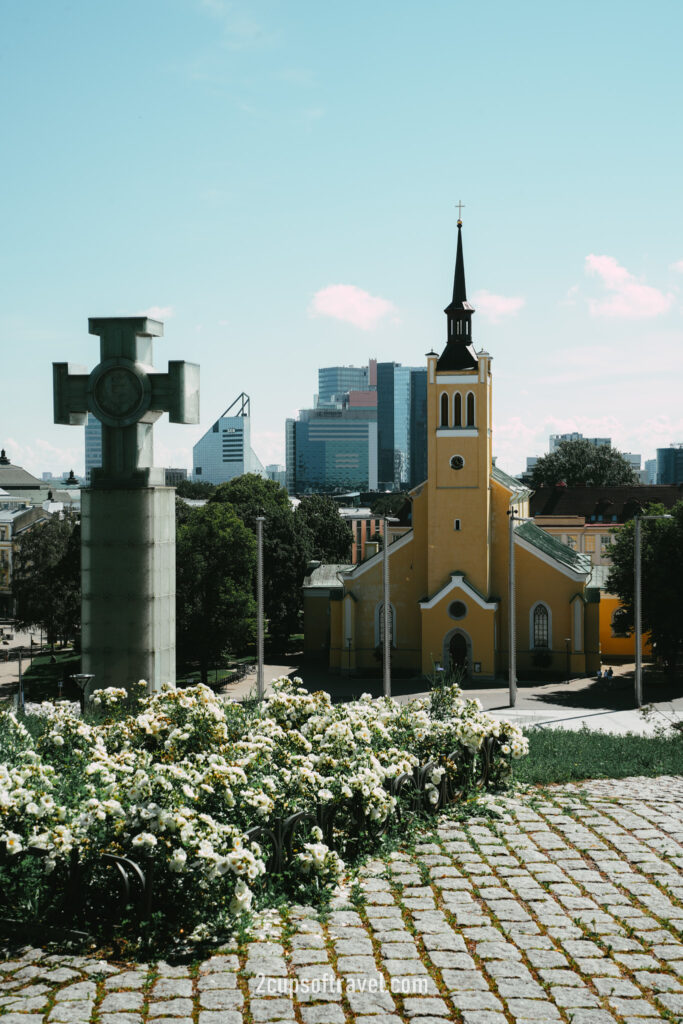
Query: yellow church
[[450, 573]]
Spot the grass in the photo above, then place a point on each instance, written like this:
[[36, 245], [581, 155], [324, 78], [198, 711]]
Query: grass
[[563, 755], [42, 677]]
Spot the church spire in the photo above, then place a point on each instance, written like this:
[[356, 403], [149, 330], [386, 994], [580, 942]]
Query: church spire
[[458, 354]]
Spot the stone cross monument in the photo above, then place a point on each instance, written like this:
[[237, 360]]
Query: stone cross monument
[[127, 514]]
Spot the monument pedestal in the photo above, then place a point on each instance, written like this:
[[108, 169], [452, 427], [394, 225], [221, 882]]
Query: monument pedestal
[[128, 580]]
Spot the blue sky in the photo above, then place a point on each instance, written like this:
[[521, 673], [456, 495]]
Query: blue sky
[[277, 182]]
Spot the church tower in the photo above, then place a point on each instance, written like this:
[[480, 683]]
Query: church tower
[[459, 449]]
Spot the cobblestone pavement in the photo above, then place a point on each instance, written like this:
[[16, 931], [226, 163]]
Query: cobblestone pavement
[[558, 905]]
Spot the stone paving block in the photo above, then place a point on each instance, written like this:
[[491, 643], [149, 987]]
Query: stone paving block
[[615, 987], [69, 1012], [329, 1014], [632, 1007], [171, 1008], [445, 941], [24, 1004], [127, 979], [533, 1010], [222, 998], [166, 988], [220, 979], [353, 947], [456, 961], [115, 1001], [355, 964], [512, 988], [370, 1002], [23, 1018], [81, 990], [657, 982], [170, 1020], [120, 1018], [219, 1017], [573, 996], [220, 963], [424, 1007], [398, 950], [309, 956], [671, 1002], [483, 1017], [593, 966], [271, 1009], [475, 1000], [460, 981], [497, 951]]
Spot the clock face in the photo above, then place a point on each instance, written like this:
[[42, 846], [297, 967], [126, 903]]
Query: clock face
[[457, 462]]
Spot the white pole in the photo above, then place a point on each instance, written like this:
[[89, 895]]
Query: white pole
[[638, 615], [386, 611], [512, 642], [259, 602]]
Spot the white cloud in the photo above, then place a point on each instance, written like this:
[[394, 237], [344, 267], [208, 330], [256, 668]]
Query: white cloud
[[626, 298], [352, 305], [159, 312], [496, 307], [677, 266]]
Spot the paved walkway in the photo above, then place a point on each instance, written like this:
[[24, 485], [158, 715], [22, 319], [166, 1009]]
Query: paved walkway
[[562, 905]]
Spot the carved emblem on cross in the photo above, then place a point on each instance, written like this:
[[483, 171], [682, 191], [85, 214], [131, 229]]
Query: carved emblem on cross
[[127, 396]]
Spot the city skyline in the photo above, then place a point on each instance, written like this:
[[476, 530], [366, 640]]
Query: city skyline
[[279, 185]]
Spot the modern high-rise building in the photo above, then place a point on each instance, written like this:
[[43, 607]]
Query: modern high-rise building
[[225, 450], [332, 448], [401, 434], [418, 427], [599, 442], [93, 446], [335, 381], [670, 464], [277, 473]]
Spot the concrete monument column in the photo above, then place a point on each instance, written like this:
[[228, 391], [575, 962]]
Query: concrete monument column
[[127, 514]]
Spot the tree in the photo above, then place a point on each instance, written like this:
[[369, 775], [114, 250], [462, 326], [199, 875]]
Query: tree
[[389, 504], [285, 550], [580, 462], [46, 578], [329, 537], [215, 607], [194, 489], [661, 579]]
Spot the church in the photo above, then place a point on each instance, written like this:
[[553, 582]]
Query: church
[[450, 572]]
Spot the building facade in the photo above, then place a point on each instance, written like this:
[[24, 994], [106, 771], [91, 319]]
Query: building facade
[[670, 464], [225, 451], [450, 571], [332, 448], [93, 446]]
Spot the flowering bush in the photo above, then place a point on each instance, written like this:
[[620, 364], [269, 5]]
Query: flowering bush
[[175, 781]]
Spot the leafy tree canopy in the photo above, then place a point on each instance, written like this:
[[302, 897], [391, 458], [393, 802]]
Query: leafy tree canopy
[[389, 504], [46, 578], [194, 489], [661, 578], [216, 610], [285, 548], [580, 462], [329, 537]]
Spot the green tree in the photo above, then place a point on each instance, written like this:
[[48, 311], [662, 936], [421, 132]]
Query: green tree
[[580, 462], [194, 489], [46, 578], [389, 504], [215, 607], [661, 579], [285, 550], [329, 537]]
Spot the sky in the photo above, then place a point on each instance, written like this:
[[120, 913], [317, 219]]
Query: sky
[[277, 182]]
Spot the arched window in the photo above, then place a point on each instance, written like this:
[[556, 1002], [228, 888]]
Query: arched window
[[540, 626], [379, 624], [457, 409], [470, 409], [444, 410]]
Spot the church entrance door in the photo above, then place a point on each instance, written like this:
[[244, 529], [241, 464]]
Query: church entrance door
[[457, 650]]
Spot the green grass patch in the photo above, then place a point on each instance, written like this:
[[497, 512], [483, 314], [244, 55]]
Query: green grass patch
[[42, 677], [563, 755]]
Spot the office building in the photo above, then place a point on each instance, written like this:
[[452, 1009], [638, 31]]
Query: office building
[[93, 446], [335, 381], [225, 451], [670, 464]]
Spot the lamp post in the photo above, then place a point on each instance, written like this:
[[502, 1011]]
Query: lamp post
[[21, 701], [260, 520], [82, 679], [638, 606], [386, 606]]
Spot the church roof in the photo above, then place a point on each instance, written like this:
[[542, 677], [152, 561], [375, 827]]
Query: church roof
[[554, 548], [458, 353], [511, 483], [14, 478], [327, 576]]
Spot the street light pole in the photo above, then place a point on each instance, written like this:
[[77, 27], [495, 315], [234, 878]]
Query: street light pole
[[512, 644], [386, 610], [638, 606], [259, 602]]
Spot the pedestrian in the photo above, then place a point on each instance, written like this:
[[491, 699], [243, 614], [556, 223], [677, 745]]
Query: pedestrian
[[599, 675], [609, 673]]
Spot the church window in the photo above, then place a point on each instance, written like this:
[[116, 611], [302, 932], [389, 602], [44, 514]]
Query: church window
[[457, 609], [540, 626], [470, 409], [457, 409], [444, 410], [456, 524]]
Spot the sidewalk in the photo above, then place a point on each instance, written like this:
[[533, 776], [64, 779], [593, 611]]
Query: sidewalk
[[564, 905]]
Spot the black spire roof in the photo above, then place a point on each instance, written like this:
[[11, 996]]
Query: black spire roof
[[458, 354]]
